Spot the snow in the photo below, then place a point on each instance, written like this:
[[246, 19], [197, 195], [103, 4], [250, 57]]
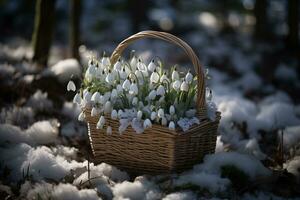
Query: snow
[[207, 174], [42, 132], [291, 136], [277, 115], [60, 191], [285, 73], [141, 188], [180, 196], [64, 69], [39, 101]]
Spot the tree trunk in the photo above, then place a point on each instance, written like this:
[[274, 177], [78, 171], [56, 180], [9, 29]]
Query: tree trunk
[[74, 32], [260, 12], [43, 31], [293, 17]]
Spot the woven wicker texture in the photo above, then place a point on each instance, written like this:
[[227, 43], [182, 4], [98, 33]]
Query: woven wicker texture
[[158, 150]]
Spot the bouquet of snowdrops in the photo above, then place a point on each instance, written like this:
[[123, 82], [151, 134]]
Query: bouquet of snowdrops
[[139, 95]]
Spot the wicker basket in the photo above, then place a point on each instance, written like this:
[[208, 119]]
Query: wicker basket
[[158, 150]]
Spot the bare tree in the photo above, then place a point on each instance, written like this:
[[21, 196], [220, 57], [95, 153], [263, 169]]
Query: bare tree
[[43, 31], [293, 24], [74, 30], [260, 12]]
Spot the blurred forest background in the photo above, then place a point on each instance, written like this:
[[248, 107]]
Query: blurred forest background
[[250, 46], [46, 31]]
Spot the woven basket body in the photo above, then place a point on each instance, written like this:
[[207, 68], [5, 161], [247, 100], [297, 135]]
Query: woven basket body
[[158, 150]]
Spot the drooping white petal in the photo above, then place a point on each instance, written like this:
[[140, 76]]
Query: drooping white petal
[[139, 114], [172, 125], [77, 98], [81, 116], [147, 124], [172, 110], [120, 114], [118, 66], [96, 97], [133, 90], [141, 66], [176, 85], [160, 90], [175, 75], [123, 74], [101, 122], [114, 114], [110, 78], [184, 86], [114, 94], [154, 78], [189, 77], [105, 61], [152, 95], [107, 107], [94, 112], [71, 86], [164, 78], [126, 85], [164, 121], [135, 101], [87, 96], [133, 63], [153, 115], [160, 113], [152, 66]]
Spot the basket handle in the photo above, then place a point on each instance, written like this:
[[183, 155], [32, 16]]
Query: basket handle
[[172, 39]]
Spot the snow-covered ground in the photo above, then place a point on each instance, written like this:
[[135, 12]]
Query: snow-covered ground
[[44, 149]]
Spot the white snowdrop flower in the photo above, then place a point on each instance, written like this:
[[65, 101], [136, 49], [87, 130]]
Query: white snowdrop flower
[[172, 125], [102, 100], [152, 66], [126, 85], [109, 130], [114, 94], [133, 63], [118, 65], [189, 77], [77, 98], [123, 74], [107, 107], [90, 73], [184, 86], [85, 91], [172, 110], [94, 112], [164, 78], [153, 115], [141, 66], [160, 113], [101, 122], [154, 78], [96, 97], [176, 85], [71, 86], [147, 124], [161, 99], [99, 73], [139, 114], [105, 61], [164, 121], [110, 78], [81, 116], [114, 114], [141, 104], [152, 95], [160, 90], [87, 96], [175, 75], [145, 73], [91, 62], [119, 89], [135, 101], [133, 90], [120, 113]]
